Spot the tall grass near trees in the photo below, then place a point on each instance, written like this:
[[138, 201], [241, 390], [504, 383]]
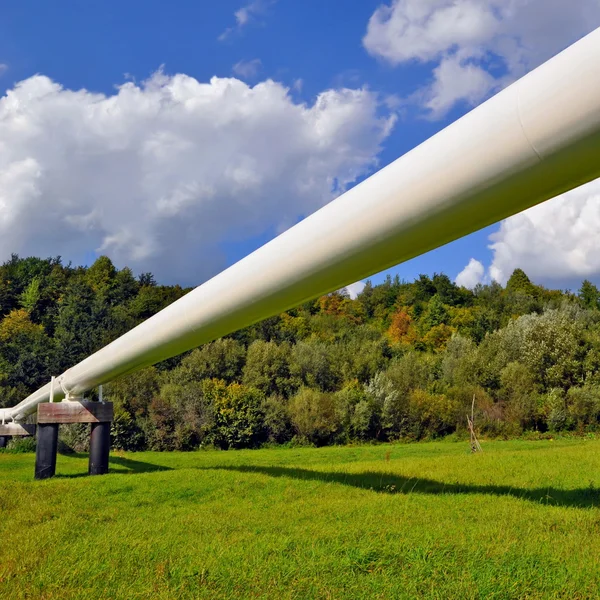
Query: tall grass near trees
[[424, 520]]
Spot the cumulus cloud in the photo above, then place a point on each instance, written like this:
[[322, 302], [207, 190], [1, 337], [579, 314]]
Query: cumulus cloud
[[354, 289], [471, 275], [161, 175], [477, 45], [247, 69], [557, 241], [454, 81], [245, 15]]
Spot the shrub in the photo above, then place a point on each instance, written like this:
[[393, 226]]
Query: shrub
[[278, 425], [239, 417], [431, 415], [314, 416], [390, 405], [357, 412], [584, 407], [21, 445], [125, 433], [518, 391], [163, 417], [75, 436], [554, 406]]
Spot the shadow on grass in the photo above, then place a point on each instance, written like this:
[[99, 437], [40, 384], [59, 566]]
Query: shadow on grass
[[117, 464], [388, 483]]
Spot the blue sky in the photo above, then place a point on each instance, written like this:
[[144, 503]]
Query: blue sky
[[419, 67]]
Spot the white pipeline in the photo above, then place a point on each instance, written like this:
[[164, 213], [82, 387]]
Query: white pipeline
[[532, 141]]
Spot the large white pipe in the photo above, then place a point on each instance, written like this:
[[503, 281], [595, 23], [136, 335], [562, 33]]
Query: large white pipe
[[532, 141]]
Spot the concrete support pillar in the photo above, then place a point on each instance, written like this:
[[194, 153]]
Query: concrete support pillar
[[46, 449], [99, 448]]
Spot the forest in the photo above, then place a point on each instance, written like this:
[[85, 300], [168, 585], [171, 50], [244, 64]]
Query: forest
[[402, 361]]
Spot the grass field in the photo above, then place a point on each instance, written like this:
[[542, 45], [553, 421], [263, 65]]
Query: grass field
[[428, 520]]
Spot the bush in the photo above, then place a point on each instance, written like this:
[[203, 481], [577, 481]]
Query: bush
[[239, 417], [125, 433], [390, 405], [432, 415], [163, 417], [278, 425], [21, 445], [584, 407], [75, 436], [357, 412], [518, 391], [313, 414], [554, 406]]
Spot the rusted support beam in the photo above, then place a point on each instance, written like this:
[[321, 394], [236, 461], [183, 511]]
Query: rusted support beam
[[81, 411]]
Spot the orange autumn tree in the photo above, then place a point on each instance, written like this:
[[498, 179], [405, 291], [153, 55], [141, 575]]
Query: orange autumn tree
[[399, 326]]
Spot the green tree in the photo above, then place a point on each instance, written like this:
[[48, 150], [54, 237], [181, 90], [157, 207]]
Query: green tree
[[30, 296], [267, 368], [519, 282], [221, 359], [357, 412], [26, 353], [317, 365], [589, 294], [436, 314], [101, 276]]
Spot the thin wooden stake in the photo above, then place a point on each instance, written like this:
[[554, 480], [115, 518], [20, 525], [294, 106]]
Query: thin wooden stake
[[475, 445]]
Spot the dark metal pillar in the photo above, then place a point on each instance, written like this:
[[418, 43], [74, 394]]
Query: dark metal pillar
[[4, 440], [46, 448], [99, 448]]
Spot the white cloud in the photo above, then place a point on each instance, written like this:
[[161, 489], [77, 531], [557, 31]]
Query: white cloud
[[245, 15], [557, 241], [248, 69], [423, 30], [354, 289], [455, 80], [161, 175], [3, 68], [477, 39], [471, 275]]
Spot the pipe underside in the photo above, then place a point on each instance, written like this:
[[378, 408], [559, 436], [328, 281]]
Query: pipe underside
[[534, 140]]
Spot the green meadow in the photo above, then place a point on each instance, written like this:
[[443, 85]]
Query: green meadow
[[428, 520]]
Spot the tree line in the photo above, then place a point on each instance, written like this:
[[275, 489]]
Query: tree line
[[403, 360]]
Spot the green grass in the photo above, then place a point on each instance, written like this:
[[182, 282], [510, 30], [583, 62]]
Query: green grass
[[425, 521]]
